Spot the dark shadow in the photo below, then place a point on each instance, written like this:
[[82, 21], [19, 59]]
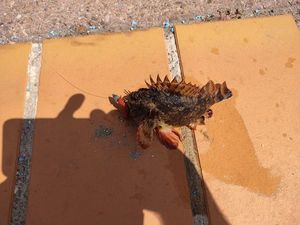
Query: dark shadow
[[90, 171], [215, 215], [11, 142], [231, 156], [202, 201]]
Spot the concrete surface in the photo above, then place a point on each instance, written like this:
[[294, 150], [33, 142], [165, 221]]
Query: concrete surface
[[12, 93], [86, 167], [37, 20], [249, 148], [274, 189]]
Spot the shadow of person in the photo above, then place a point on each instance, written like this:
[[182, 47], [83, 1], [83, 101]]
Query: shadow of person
[[215, 215], [90, 171], [10, 137]]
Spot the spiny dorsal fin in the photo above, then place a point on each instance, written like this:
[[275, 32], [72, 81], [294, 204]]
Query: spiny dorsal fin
[[210, 89], [158, 79], [166, 80], [216, 92], [126, 92], [174, 86], [152, 81], [148, 85]]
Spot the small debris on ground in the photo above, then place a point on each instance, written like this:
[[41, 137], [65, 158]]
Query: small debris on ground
[[135, 154], [22, 158], [103, 132], [168, 26], [14, 38], [134, 25], [53, 33], [81, 29], [92, 27], [199, 18]]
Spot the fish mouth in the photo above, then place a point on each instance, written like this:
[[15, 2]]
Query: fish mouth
[[114, 100], [115, 97]]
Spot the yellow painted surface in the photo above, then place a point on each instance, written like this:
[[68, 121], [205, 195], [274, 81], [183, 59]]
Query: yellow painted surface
[[13, 70], [79, 175], [249, 149]]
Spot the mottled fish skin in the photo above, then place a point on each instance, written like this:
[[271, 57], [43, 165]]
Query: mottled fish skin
[[167, 104], [174, 103]]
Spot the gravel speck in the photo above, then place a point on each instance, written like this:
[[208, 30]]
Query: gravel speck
[[135, 154], [64, 17], [103, 132]]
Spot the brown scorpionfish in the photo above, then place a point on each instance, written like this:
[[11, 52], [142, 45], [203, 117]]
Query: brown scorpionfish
[[167, 104]]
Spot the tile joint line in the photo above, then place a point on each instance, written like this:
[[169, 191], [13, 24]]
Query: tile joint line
[[192, 162], [20, 198]]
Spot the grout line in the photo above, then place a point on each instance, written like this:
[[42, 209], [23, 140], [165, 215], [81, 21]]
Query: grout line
[[24, 159], [192, 162], [195, 178], [173, 60], [34, 66]]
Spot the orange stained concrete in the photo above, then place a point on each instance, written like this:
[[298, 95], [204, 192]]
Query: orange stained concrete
[[13, 70], [249, 149], [86, 166]]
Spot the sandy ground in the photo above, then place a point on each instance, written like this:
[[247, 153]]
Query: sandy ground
[[33, 20]]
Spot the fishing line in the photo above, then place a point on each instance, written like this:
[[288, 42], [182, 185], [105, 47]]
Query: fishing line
[[72, 84]]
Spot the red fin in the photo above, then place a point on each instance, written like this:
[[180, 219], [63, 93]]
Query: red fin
[[141, 139], [169, 137], [145, 133]]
